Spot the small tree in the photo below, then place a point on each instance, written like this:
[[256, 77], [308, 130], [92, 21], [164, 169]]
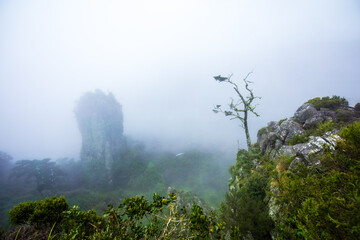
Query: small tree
[[240, 108]]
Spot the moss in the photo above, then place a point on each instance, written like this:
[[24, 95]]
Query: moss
[[330, 103]]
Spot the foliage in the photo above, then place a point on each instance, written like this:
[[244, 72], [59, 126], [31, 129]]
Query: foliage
[[332, 103], [80, 224], [343, 115], [40, 213], [282, 120], [240, 108], [357, 107], [44, 171], [298, 139], [324, 127], [322, 202], [137, 218], [246, 204]]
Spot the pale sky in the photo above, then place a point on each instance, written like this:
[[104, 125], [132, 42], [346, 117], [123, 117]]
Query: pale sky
[[158, 58]]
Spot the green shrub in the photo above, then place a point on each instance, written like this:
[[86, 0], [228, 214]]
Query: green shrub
[[21, 213], [39, 213], [298, 139], [330, 103], [322, 202], [357, 107], [245, 209], [343, 115], [80, 224], [324, 127]]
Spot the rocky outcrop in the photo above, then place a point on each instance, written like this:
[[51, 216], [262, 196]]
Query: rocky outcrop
[[100, 121], [275, 138]]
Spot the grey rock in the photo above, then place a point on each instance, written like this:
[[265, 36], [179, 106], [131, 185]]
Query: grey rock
[[289, 129], [278, 144], [331, 138], [305, 112], [272, 125], [314, 120], [328, 114], [262, 139], [287, 151]]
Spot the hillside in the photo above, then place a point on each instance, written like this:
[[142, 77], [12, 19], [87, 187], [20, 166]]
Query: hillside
[[301, 180]]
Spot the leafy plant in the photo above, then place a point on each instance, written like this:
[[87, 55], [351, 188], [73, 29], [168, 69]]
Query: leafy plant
[[137, 218], [40, 213], [80, 224], [322, 202], [357, 107], [246, 205], [298, 139], [343, 115], [332, 103]]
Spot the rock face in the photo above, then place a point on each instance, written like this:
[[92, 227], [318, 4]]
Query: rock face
[[100, 122], [274, 139]]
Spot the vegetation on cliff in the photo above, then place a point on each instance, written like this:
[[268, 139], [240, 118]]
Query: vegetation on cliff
[[269, 196]]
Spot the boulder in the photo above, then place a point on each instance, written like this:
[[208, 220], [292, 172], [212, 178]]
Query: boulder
[[313, 121], [304, 112], [287, 151], [288, 129], [304, 151]]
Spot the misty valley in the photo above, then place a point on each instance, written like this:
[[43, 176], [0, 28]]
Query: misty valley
[[300, 180], [208, 119], [113, 167]]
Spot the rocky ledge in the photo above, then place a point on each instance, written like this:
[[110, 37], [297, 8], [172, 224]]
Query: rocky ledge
[[278, 137]]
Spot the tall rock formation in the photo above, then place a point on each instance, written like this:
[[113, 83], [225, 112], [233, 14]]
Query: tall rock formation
[[100, 121]]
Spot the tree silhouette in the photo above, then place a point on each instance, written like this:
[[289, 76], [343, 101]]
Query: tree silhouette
[[240, 108]]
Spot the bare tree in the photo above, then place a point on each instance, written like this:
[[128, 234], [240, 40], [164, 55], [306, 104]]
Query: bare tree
[[240, 108]]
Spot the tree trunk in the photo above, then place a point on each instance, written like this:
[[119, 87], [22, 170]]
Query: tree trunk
[[248, 140]]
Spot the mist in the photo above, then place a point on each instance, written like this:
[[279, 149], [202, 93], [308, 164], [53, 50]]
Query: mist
[[158, 58]]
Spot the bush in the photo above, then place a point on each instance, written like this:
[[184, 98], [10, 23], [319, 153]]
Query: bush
[[323, 128], [357, 107], [330, 103], [39, 213], [246, 209], [137, 218], [21, 213], [343, 115], [322, 202], [80, 224], [298, 139]]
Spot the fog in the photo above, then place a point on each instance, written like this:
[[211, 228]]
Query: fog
[[158, 58]]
